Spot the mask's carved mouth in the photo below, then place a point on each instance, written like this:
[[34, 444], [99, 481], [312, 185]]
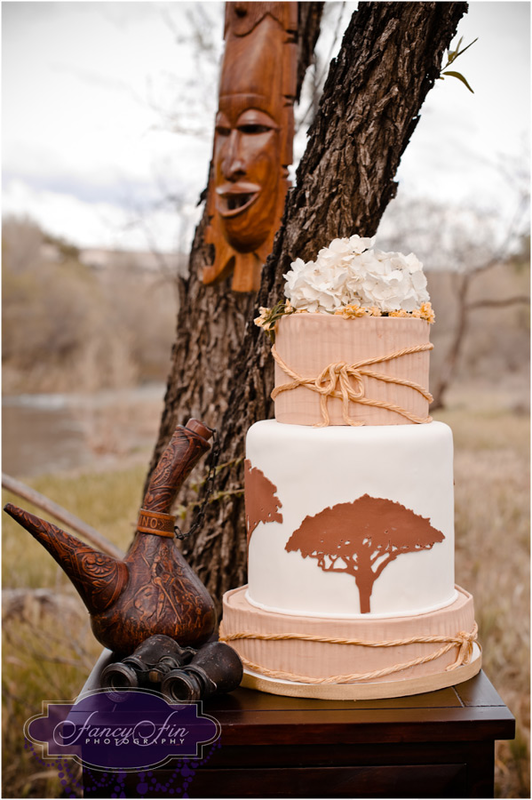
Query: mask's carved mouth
[[233, 199]]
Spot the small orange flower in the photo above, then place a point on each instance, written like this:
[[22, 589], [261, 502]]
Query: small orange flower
[[427, 312], [349, 312]]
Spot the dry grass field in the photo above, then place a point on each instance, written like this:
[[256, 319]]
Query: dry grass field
[[492, 507], [48, 648]]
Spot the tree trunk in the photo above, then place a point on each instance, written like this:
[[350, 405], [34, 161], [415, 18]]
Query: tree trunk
[[222, 371], [365, 598], [212, 319]]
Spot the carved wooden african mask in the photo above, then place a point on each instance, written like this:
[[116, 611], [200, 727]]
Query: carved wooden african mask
[[252, 140]]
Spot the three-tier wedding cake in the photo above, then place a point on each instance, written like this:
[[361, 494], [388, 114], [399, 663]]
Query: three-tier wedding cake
[[349, 494]]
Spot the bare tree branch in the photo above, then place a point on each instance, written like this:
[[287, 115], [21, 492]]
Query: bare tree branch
[[504, 303]]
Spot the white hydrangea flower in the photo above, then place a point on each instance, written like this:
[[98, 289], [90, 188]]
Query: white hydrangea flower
[[360, 244], [350, 272]]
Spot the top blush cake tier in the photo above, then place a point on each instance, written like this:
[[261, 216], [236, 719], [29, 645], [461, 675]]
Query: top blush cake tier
[[313, 345]]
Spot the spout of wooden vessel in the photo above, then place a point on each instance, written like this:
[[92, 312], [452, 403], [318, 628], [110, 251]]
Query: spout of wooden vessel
[[183, 452], [98, 578]]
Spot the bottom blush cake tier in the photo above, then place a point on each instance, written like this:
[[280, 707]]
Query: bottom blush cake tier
[[349, 659]]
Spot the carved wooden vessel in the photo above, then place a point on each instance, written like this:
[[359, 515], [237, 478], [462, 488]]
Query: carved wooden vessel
[[153, 590]]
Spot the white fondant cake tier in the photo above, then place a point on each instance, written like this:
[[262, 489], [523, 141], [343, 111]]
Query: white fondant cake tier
[[353, 520]]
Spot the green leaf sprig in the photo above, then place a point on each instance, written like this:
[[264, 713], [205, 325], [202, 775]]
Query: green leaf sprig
[[452, 55], [270, 316]]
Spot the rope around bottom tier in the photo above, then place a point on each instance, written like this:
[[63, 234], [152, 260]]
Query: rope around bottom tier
[[463, 640]]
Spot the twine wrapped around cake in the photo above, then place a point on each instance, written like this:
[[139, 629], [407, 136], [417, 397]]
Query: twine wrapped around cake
[[361, 371], [305, 655], [463, 640], [336, 381]]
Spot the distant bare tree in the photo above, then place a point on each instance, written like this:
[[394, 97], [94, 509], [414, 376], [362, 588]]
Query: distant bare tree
[[462, 286], [475, 263], [465, 243]]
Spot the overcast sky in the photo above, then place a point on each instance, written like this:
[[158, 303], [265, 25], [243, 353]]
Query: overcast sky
[[107, 108]]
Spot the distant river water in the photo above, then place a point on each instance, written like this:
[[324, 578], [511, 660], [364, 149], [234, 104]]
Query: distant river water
[[44, 433]]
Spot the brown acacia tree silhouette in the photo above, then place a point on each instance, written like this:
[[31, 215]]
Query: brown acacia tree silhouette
[[262, 503], [362, 538]]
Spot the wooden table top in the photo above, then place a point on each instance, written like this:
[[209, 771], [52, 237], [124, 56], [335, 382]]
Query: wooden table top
[[471, 711]]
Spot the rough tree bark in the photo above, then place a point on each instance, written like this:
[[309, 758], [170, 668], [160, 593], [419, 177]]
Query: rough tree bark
[[390, 58]]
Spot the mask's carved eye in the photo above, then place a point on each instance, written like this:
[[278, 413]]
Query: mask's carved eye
[[253, 122], [222, 130], [252, 130], [222, 126]]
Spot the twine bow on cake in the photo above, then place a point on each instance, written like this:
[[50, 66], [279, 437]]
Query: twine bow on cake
[[345, 382], [465, 641]]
